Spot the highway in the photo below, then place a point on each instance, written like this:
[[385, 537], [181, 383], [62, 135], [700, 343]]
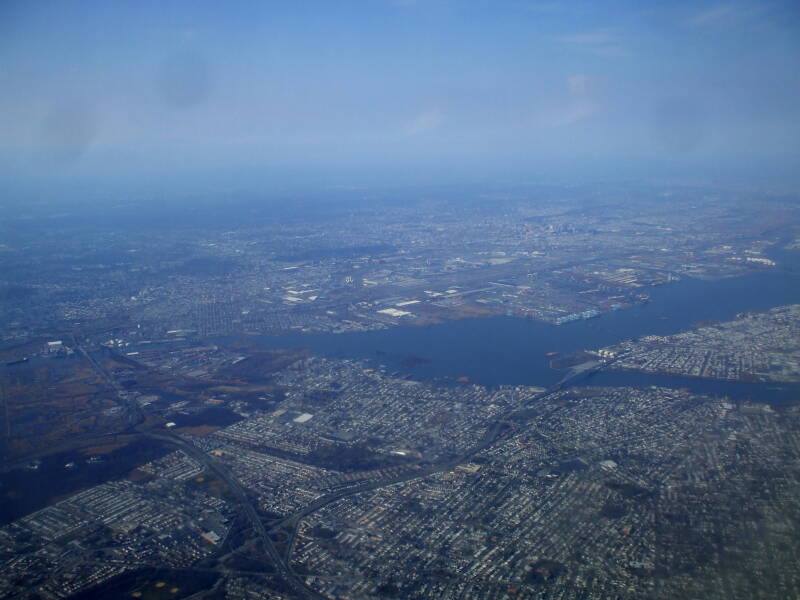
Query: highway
[[282, 561], [497, 432], [282, 566]]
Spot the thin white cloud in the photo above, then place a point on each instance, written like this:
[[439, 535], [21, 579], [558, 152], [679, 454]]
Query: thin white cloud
[[578, 84], [563, 117], [579, 106], [424, 122], [588, 38], [613, 51], [721, 14], [603, 42]]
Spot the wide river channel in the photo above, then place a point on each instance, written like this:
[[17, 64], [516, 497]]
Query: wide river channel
[[511, 351], [490, 351]]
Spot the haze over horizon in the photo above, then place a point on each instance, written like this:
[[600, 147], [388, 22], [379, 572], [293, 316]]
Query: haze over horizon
[[195, 95]]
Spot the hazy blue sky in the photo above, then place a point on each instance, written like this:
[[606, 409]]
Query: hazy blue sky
[[143, 89]]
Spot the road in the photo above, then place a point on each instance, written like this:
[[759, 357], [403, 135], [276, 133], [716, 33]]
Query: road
[[282, 566], [284, 569], [498, 431], [133, 410]]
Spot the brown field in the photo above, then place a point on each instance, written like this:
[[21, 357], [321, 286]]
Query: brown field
[[136, 476], [429, 314], [200, 430], [103, 448], [213, 485]]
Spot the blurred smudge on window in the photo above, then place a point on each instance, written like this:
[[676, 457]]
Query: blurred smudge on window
[[183, 80], [679, 125], [68, 129]]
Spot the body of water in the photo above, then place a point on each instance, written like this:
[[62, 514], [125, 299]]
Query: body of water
[[505, 350], [491, 351]]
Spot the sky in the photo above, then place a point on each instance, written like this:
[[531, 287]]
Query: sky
[[209, 93]]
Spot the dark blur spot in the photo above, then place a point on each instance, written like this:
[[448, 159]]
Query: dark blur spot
[[183, 80], [679, 125], [67, 131]]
